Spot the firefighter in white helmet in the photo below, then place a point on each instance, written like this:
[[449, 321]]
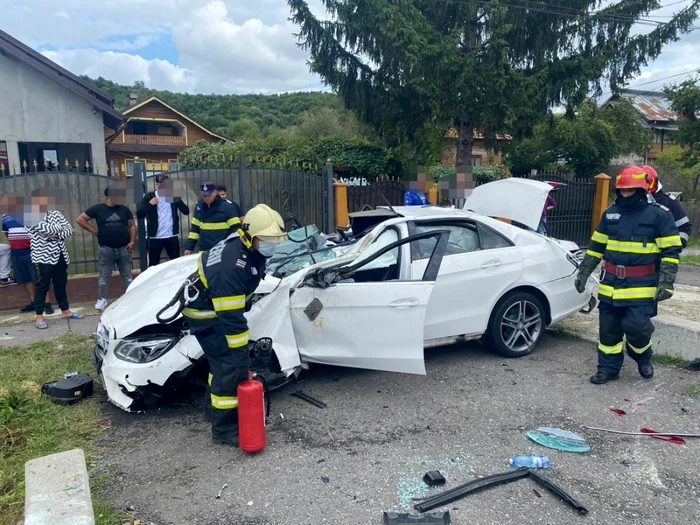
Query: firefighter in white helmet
[[228, 275]]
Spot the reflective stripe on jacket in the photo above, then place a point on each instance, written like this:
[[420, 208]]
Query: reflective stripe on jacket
[[229, 272], [212, 224], [679, 216]]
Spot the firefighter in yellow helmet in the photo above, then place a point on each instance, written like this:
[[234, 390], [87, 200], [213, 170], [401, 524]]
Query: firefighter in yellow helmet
[[228, 274]]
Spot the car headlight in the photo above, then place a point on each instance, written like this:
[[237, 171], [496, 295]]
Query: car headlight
[[145, 348]]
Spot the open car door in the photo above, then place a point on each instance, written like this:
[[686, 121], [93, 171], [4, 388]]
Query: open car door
[[364, 315]]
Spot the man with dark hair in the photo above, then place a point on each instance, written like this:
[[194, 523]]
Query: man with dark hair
[[116, 235], [160, 207], [221, 190]]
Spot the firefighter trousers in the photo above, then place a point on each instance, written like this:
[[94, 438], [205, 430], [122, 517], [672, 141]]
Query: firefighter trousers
[[227, 368], [619, 325]]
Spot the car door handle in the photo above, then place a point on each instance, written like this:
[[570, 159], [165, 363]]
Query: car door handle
[[405, 303], [492, 264]]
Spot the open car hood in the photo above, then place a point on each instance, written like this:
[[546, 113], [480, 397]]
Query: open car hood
[[152, 290], [520, 200]]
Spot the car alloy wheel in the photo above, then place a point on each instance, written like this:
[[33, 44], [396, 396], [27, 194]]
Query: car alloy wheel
[[517, 325]]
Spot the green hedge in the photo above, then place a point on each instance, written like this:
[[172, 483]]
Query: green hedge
[[354, 157]]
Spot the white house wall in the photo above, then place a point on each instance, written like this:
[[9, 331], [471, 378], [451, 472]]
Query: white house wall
[[34, 108]]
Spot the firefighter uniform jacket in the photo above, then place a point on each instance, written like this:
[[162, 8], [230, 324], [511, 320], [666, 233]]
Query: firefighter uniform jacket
[[682, 220], [211, 224], [229, 273], [642, 235]]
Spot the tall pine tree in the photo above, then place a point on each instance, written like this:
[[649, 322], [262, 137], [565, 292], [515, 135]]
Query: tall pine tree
[[406, 66]]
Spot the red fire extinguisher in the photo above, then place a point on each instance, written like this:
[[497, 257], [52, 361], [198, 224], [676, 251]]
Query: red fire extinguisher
[[252, 403]]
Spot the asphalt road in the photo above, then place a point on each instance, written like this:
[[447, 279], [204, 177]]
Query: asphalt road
[[367, 452], [688, 275]]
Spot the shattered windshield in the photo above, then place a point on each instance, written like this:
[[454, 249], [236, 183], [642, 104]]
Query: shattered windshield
[[305, 246]]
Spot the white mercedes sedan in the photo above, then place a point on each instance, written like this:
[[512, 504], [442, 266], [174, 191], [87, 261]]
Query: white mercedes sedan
[[409, 278]]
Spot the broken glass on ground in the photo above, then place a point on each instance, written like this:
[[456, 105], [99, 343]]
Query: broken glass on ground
[[558, 439]]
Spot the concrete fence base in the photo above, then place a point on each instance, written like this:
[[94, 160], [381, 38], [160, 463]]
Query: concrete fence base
[[58, 490]]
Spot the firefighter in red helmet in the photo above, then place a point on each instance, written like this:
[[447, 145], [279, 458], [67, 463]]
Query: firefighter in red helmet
[[633, 235], [668, 200]]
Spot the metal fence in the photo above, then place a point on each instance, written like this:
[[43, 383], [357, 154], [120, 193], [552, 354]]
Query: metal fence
[[371, 194], [572, 218], [306, 194]]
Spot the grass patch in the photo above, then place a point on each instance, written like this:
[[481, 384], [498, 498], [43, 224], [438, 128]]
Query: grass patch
[[694, 242], [32, 425], [693, 260], [669, 360], [693, 391]]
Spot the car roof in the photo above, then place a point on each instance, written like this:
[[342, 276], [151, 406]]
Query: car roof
[[430, 212]]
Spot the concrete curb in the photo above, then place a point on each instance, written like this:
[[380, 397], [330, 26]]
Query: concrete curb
[[675, 336], [57, 490]]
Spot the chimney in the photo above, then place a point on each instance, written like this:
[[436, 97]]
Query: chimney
[[132, 99]]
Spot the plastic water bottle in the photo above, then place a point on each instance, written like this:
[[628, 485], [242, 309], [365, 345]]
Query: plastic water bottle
[[532, 461]]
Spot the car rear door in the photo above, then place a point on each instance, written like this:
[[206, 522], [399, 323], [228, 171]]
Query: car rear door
[[365, 315], [479, 265]]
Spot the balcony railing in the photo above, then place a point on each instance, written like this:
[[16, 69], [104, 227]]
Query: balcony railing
[[154, 140]]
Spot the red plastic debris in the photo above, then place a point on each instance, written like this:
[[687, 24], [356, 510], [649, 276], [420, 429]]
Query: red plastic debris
[[628, 400], [673, 439], [618, 411], [640, 404]]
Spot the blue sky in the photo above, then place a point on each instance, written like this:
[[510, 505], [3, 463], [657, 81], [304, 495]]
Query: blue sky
[[215, 46]]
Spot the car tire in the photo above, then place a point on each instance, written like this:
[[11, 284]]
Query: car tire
[[516, 325]]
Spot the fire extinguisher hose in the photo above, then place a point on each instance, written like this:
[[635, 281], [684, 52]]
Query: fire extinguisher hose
[[266, 394]]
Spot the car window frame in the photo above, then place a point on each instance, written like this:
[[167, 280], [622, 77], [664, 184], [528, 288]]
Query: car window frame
[[398, 238], [447, 222], [481, 226], [440, 222]]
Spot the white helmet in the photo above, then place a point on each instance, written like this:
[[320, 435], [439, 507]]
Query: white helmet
[[265, 223]]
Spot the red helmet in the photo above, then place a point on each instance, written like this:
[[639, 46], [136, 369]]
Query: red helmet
[[653, 178], [632, 177]]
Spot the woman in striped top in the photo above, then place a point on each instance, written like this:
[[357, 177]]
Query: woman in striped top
[[50, 255]]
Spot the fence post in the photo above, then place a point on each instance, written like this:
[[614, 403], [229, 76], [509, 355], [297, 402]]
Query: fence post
[[600, 201], [139, 192], [241, 182], [340, 190], [329, 227]]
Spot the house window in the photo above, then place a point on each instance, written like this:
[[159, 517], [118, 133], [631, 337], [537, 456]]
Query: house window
[[172, 165], [476, 161], [113, 169], [3, 158], [130, 166], [658, 136]]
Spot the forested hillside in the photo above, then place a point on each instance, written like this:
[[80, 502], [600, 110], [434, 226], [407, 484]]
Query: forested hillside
[[230, 115]]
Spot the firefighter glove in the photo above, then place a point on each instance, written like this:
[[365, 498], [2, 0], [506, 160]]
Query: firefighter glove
[[667, 276], [588, 264]]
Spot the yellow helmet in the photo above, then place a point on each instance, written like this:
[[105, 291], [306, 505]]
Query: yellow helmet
[[265, 223]]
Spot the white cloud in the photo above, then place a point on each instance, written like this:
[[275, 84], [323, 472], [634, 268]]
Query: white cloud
[[245, 57], [224, 46], [125, 68]]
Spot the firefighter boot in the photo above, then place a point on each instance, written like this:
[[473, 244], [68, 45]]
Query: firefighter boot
[[603, 377], [646, 370]]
